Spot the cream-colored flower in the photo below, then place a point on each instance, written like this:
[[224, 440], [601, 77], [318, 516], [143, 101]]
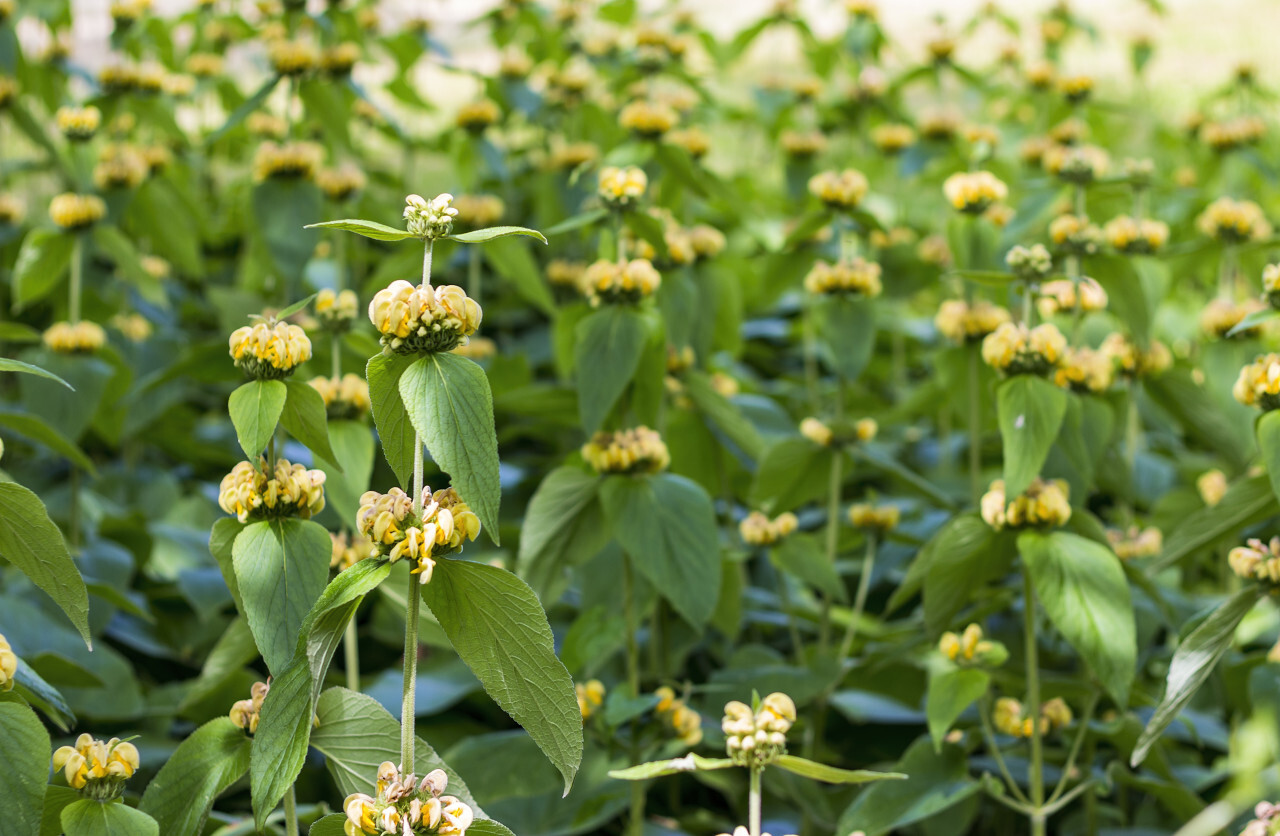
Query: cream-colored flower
[[342, 183], [1014, 349], [287, 161], [1043, 505], [8, 659], [855, 277], [423, 319], [816, 431], [756, 739], [757, 529], [478, 115], [1221, 315], [878, 519], [83, 337], [1233, 221], [1212, 486], [1257, 560], [444, 524], [429, 218], [841, 190], [648, 119], [349, 549], [1067, 296], [337, 310], [78, 123], [292, 58], [961, 321], [1259, 383], [269, 350], [253, 492], [1136, 236], [97, 768], [634, 450], [1133, 542], [244, 714], [621, 187], [345, 398], [75, 212], [615, 283], [1083, 369], [973, 192], [590, 697]]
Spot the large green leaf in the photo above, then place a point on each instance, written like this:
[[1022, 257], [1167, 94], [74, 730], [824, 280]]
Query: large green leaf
[[667, 526], [450, 404], [692, 762], [607, 355], [395, 430], [8, 365], [353, 448], [935, 782], [92, 818], [38, 430], [1268, 429], [832, 775], [32, 543], [281, 567], [280, 207], [42, 261], [24, 750], [848, 328], [204, 766], [1031, 410], [1247, 502], [562, 528], [792, 471], [496, 624], [802, 556], [479, 236], [304, 418], [951, 691], [1194, 660], [369, 229], [255, 409], [1082, 587], [723, 415]]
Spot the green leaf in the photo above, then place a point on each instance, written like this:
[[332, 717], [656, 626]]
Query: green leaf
[[395, 430], [951, 691], [34, 545], [691, 762], [204, 766], [607, 355], [512, 260], [1082, 587], [255, 410], [960, 558], [222, 539], [352, 444], [38, 430], [1031, 410], [56, 799], [563, 527], [42, 261], [110, 241], [1254, 320], [1247, 502], [334, 824], [43, 696], [289, 310], [935, 782], [801, 555], [24, 751], [450, 404], [242, 112], [497, 626], [234, 649], [724, 415], [278, 205], [92, 818], [1192, 663], [369, 229], [832, 775], [479, 236], [8, 365], [577, 221], [667, 526], [305, 419], [989, 278], [791, 472], [848, 327], [281, 567], [1268, 429]]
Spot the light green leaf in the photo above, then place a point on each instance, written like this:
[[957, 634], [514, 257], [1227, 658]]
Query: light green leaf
[[479, 236], [352, 443], [848, 327], [935, 783], [395, 430], [41, 695], [255, 410], [667, 526], [1083, 590], [691, 762], [32, 543], [792, 471], [42, 261], [289, 310], [24, 751], [1254, 320], [38, 430], [450, 404], [497, 626], [305, 419], [281, 567], [1247, 502], [577, 221], [92, 818], [723, 415], [1031, 410], [8, 365], [1268, 429], [563, 527], [607, 355], [1195, 659], [246, 107], [951, 691], [222, 539], [334, 824], [801, 555], [832, 775], [234, 649], [369, 229], [204, 766]]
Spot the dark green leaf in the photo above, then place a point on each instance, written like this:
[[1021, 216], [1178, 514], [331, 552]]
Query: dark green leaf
[[24, 750], [369, 229], [255, 409], [32, 543], [607, 355], [42, 262], [92, 818], [1031, 410], [205, 765], [395, 430], [832, 775], [304, 418]]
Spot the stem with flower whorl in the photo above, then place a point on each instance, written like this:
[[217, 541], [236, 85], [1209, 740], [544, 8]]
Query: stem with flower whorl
[[753, 802], [860, 599]]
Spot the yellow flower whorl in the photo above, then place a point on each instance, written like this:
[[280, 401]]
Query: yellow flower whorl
[[251, 492], [423, 319]]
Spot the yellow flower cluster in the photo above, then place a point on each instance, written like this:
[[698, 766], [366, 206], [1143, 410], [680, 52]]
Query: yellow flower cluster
[[590, 697], [1230, 134], [1076, 88], [961, 321], [83, 337], [683, 721], [423, 319], [621, 187], [204, 64], [839, 189], [96, 768], [1066, 296], [694, 140], [1259, 383], [1131, 361], [1014, 349], [479, 210], [1233, 221], [349, 549], [755, 739], [856, 276], [970, 648], [337, 310], [345, 398], [478, 115], [565, 273], [877, 519], [568, 156], [803, 144], [758, 530], [340, 59], [1221, 315], [445, 524], [292, 58], [135, 327], [1083, 369], [892, 138], [1043, 505], [429, 218], [1074, 234], [1212, 486], [1135, 542], [707, 241], [342, 183], [1009, 717], [78, 123], [1136, 236], [76, 211], [1081, 164], [252, 492], [120, 166], [244, 713], [11, 210], [269, 350], [290, 160], [973, 192], [266, 125], [648, 119], [635, 450], [617, 283], [8, 659], [404, 806], [1270, 282], [816, 431], [1257, 560]]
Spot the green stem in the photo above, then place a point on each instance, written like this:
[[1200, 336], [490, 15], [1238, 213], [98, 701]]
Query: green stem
[[77, 278], [426, 261], [859, 600], [834, 482], [408, 705], [984, 713], [351, 653], [1033, 705], [636, 827], [290, 813], [1081, 733], [753, 802], [337, 357], [975, 426], [810, 354], [617, 233]]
